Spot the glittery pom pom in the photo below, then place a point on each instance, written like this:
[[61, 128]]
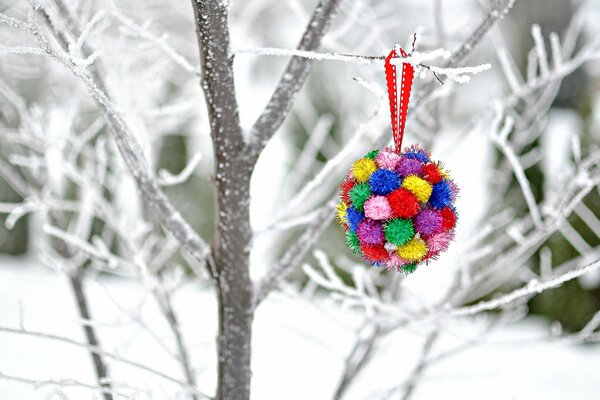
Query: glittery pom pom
[[404, 204], [418, 186], [363, 168], [414, 250], [378, 208], [409, 166], [387, 160], [397, 209], [370, 232], [439, 242], [384, 181], [428, 222]]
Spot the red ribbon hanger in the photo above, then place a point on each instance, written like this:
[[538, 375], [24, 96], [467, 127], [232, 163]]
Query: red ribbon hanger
[[399, 94]]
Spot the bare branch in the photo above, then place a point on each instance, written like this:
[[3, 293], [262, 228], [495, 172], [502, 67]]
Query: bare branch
[[132, 154], [292, 79], [91, 336], [104, 353], [534, 287], [498, 9]]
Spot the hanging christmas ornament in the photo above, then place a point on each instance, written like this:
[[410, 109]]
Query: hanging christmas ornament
[[397, 207]]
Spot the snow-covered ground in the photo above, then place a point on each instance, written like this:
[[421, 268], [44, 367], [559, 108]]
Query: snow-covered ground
[[299, 347]]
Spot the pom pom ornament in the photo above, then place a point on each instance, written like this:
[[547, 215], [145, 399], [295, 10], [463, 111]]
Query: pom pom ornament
[[397, 206]]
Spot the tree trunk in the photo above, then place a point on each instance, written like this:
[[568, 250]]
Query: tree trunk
[[231, 243], [234, 286]]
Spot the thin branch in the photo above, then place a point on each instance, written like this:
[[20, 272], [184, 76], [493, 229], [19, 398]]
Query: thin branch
[[532, 288], [421, 364], [497, 11], [292, 79], [130, 150], [90, 334], [164, 301], [500, 138], [294, 255], [104, 353], [37, 383], [357, 359]]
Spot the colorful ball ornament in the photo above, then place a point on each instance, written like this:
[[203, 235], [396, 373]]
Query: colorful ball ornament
[[397, 207]]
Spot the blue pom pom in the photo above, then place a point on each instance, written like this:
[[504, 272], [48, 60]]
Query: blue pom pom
[[384, 182], [354, 218], [418, 155], [441, 196]]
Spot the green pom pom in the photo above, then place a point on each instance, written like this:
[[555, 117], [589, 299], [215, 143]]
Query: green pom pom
[[372, 154], [352, 241], [409, 268], [399, 231], [359, 194]]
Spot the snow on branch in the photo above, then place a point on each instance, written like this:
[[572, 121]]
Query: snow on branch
[[99, 351], [168, 179], [127, 144], [160, 42], [532, 288], [417, 59]]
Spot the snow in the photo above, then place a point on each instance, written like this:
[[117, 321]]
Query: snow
[[299, 347]]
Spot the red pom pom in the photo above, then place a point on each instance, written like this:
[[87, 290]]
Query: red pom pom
[[404, 204], [345, 189], [449, 218], [432, 174], [374, 252]]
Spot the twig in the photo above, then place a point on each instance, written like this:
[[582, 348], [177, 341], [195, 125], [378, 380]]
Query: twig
[[292, 79], [104, 353], [164, 301], [357, 359], [498, 9], [421, 364], [100, 367], [534, 287], [131, 151]]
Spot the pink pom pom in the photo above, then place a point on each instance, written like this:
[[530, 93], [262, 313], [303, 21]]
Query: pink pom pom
[[394, 261], [378, 208], [387, 159], [439, 242]]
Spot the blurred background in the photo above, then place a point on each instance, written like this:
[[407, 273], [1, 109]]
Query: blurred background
[[58, 164]]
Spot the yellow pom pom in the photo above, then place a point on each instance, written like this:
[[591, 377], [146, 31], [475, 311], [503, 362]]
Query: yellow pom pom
[[414, 250], [419, 187], [363, 168], [341, 212]]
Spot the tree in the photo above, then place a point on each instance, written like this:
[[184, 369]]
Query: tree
[[86, 232]]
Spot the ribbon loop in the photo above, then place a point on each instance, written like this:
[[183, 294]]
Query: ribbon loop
[[399, 93]]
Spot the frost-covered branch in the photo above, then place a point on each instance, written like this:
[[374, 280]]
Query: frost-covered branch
[[160, 42], [292, 79], [532, 288], [128, 146], [95, 350], [500, 136], [498, 9]]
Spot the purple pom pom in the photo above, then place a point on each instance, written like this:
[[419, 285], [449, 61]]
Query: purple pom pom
[[409, 166], [370, 232], [428, 222]]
